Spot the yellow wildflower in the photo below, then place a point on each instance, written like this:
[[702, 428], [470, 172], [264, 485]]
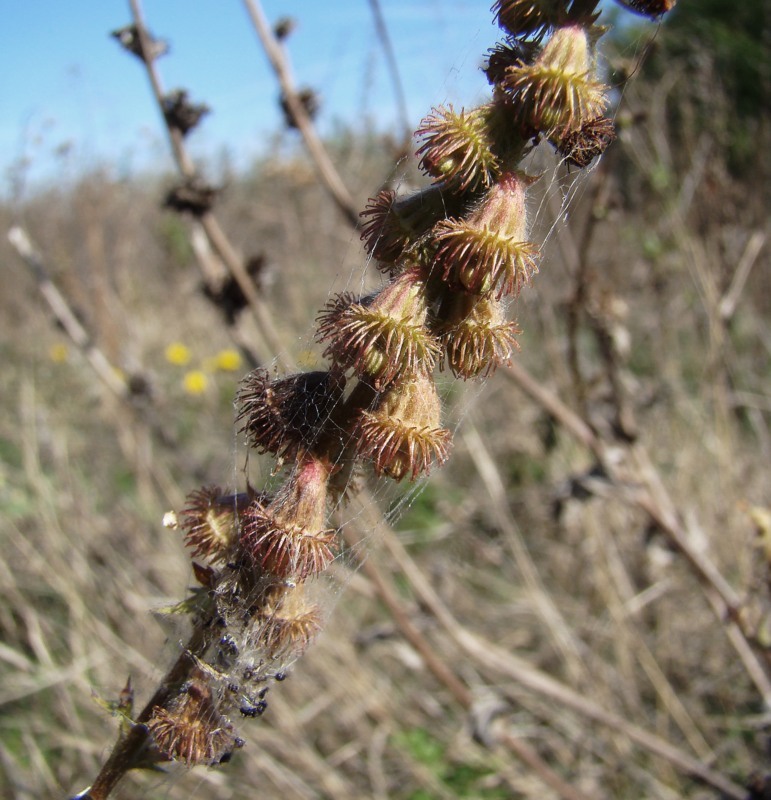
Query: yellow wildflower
[[228, 360], [195, 382], [58, 353], [177, 353]]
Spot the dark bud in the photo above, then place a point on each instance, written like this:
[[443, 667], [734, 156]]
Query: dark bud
[[194, 196], [126, 699], [582, 146], [648, 8], [308, 99], [284, 415], [284, 27], [509, 53], [229, 297], [256, 710], [129, 39], [139, 385], [180, 113]]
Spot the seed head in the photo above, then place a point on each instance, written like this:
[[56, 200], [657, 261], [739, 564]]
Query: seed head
[[403, 434], [286, 537], [456, 148], [285, 415], [130, 40], [487, 252], [290, 622], [394, 224], [509, 53], [193, 195], [181, 113], [382, 336], [582, 146], [557, 91], [210, 521], [526, 17], [477, 337], [648, 8], [191, 729]]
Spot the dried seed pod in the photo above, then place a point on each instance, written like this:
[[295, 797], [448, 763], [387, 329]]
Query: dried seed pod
[[180, 113], [510, 53], [289, 622], [486, 252], [210, 521], [558, 90], [457, 148], [286, 537], [382, 336], [282, 416], [648, 8], [394, 223], [228, 295], [129, 38], [191, 729], [403, 434], [477, 337], [307, 98], [582, 146], [194, 196], [526, 17]]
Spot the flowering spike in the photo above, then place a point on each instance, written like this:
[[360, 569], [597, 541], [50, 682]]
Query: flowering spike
[[557, 91], [403, 435], [457, 148], [487, 252], [286, 537], [383, 336]]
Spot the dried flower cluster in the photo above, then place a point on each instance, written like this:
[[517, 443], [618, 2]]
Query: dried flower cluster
[[455, 254]]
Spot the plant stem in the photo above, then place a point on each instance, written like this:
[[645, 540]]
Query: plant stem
[[129, 749]]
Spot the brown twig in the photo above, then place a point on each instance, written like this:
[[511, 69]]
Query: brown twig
[[329, 175], [651, 495], [581, 303], [128, 751], [393, 67], [214, 232], [490, 656], [730, 300], [436, 665], [64, 315]]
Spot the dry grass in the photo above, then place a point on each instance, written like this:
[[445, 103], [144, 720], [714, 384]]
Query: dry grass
[[575, 582]]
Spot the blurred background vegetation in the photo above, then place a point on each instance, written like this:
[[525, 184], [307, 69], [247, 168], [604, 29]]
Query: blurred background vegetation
[[665, 220]]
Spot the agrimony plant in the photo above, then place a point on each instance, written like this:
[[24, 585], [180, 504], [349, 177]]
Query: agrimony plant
[[455, 254]]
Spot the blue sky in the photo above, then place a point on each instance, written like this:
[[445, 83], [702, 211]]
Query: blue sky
[[65, 84]]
